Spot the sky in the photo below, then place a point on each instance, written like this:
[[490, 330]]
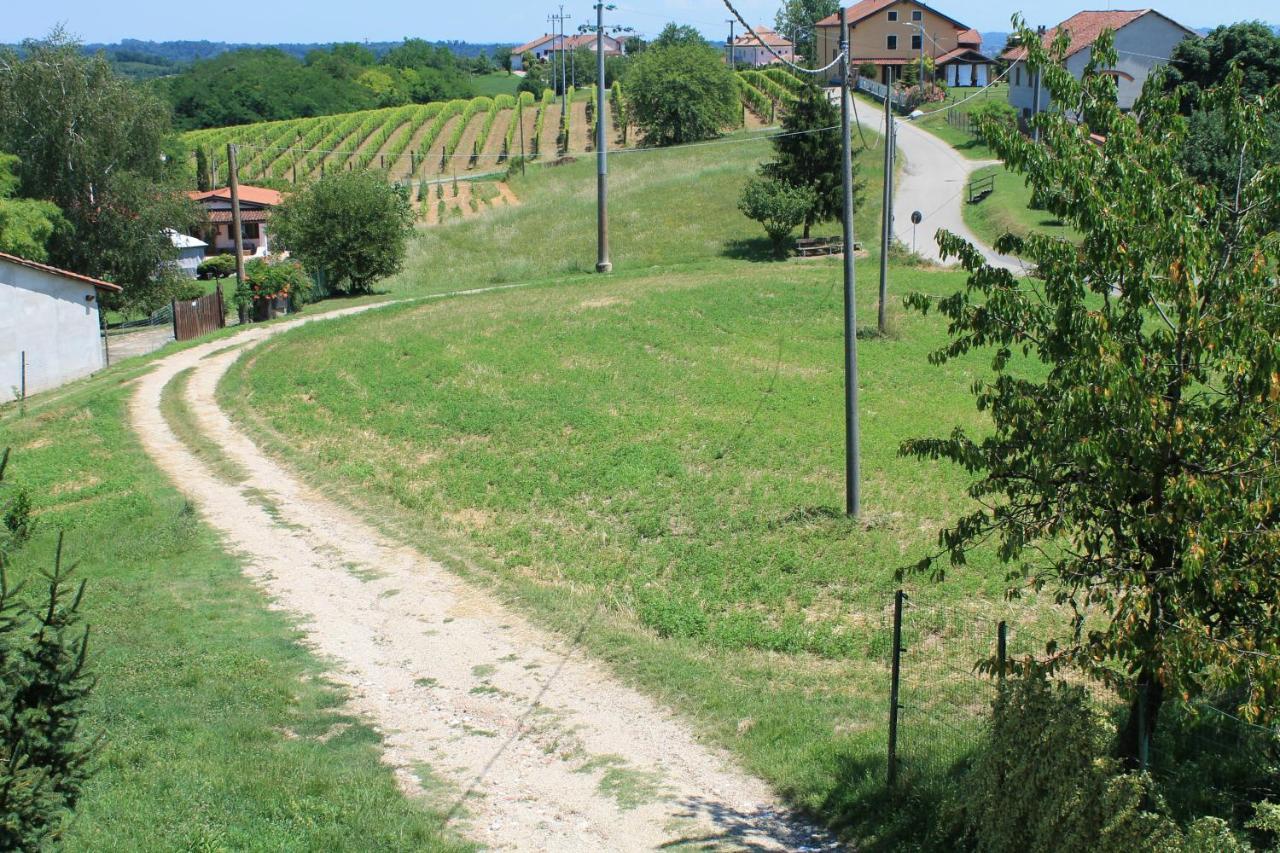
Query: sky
[[494, 20]]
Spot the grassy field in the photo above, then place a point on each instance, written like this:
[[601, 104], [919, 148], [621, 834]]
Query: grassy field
[[968, 144], [219, 731], [497, 83], [1007, 210], [653, 461]]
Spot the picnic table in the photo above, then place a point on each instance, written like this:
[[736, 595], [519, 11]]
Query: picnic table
[[812, 247]]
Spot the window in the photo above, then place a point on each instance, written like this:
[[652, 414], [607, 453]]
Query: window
[[892, 43], [916, 42], [917, 15], [893, 16], [249, 230], [1017, 75]]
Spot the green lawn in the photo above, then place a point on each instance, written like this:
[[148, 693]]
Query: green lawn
[[1006, 210], [497, 83], [653, 461], [966, 142], [219, 731]]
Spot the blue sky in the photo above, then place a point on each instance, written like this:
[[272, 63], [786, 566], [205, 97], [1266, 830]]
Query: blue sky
[[489, 20]]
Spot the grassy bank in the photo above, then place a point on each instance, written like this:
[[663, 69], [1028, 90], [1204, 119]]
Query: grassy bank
[[1007, 210], [218, 729], [962, 100]]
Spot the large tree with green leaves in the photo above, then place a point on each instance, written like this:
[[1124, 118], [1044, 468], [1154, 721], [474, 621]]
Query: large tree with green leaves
[[796, 18], [25, 225], [681, 92], [807, 155], [1130, 469], [93, 144], [352, 226]]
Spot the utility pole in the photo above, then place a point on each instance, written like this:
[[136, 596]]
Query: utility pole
[[603, 264], [564, 70], [886, 215], [853, 496], [733, 60], [234, 182]]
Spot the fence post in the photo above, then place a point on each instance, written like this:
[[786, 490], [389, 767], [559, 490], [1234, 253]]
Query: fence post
[[893, 687], [1002, 646], [22, 378], [173, 309]]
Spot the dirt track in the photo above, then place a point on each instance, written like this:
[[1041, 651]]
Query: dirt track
[[539, 748]]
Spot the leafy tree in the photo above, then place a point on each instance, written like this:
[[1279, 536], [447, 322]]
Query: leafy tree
[[808, 155], [502, 56], [679, 35], [352, 225], [1203, 63], [25, 225], [204, 177], [796, 18], [43, 688], [777, 206], [681, 93], [634, 45], [1130, 467], [92, 144]]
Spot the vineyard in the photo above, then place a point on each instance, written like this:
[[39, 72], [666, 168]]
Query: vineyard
[[427, 142]]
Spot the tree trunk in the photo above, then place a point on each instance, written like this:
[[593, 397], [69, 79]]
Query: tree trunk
[[807, 226], [1144, 711]]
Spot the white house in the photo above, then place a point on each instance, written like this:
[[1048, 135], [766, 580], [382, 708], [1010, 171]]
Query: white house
[[749, 51], [541, 48], [1144, 39], [191, 251], [49, 326]]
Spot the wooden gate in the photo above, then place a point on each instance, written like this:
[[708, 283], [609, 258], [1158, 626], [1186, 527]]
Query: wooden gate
[[195, 317]]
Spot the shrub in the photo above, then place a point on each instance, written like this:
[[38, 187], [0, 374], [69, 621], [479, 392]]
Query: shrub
[[779, 207], [1000, 112], [681, 93], [869, 70], [219, 266], [272, 278]]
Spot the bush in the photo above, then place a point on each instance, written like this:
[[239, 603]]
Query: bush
[[43, 687], [1000, 112], [272, 278], [869, 70], [681, 93], [779, 207], [219, 266]]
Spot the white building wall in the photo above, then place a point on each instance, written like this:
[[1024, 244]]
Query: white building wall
[[52, 319]]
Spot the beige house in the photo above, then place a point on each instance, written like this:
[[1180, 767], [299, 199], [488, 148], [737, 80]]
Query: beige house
[[896, 33], [256, 204]]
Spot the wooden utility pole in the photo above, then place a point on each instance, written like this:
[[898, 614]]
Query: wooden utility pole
[[237, 234], [733, 60]]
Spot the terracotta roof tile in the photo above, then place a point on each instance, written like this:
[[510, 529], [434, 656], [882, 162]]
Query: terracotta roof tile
[[866, 8], [253, 195], [75, 276], [767, 35], [1085, 27]]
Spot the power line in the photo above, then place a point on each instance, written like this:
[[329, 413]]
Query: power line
[[777, 55]]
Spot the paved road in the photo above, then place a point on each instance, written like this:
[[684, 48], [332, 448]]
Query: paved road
[[932, 180]]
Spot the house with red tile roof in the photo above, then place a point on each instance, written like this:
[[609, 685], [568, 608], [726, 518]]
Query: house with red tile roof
[[751, 52], [543, 48], [1144, 40], [256, 204], [891, 34]]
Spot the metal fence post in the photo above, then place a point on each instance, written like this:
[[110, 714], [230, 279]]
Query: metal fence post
[[1002, 647], [894, 707], [22, 378]]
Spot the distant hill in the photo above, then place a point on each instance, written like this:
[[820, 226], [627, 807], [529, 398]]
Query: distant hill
[[993, 43]]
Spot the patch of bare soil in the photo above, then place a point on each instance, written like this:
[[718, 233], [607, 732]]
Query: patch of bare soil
[[539, 748]]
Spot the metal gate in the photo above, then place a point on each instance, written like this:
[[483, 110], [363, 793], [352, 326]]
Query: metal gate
[[195, 317]]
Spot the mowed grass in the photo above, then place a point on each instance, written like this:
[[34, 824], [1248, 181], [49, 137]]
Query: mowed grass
[[962, 100], [219, 730], [1007, 210], [668, 208], [497, 83]]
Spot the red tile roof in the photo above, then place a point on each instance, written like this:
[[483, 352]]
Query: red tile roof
[[970, 38], [75, 276], [533, 45], [767, 35], [1085, 27], [253, 195], [218, 217], [962, 52], [866, 8]]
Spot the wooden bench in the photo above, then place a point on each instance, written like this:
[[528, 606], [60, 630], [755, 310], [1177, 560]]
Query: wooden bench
[[814, 247]]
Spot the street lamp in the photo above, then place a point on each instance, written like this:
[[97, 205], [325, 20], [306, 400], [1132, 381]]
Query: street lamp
[[923, 35]]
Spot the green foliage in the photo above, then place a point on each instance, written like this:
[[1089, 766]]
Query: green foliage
[[681, 92], [108, 177], [869, 70], [678, 35], [795, 20], [352, 225], [999, 112], [218, 266], [808, 155], [271, 279], [1200, 64], [778, 206], [26, 225], [43, 688], [1132, 400]]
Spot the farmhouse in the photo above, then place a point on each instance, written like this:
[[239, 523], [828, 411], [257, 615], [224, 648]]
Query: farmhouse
[[50, 327], [748, 50], [1144, 39], [540, 49], [891, 34], [255, 210]]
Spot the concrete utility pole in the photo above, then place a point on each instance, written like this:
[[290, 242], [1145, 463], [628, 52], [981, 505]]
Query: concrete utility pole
[[853, 462], [733, 60], [233, 182], [603, 265], [886, 215], [1035, 110], [564, 71]]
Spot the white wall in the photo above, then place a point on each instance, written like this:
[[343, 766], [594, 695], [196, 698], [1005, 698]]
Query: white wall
[[49, 317]]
